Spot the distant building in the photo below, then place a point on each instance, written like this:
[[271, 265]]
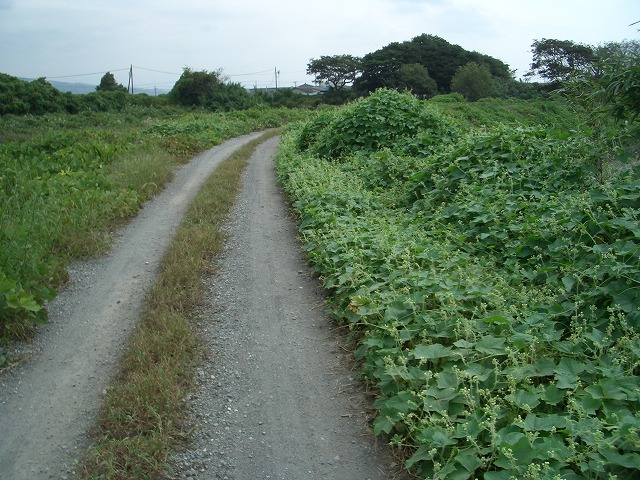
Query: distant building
[[304, 89], [310, 90]]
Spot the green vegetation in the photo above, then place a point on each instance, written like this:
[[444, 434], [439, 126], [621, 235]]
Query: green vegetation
[[440, 58], [67, 180], [108, 84], [139, 423], [337, 70], [473, 82], [208, 90], [18, 97], [426, 65], [490, 274], [557, 60]]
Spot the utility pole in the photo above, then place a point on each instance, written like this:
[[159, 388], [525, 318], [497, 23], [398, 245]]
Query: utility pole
[[130, 85], [277, 72]]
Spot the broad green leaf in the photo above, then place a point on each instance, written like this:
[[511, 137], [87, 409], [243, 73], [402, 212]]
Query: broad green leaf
[[569, 283], [451, 471], [521, 450], [526, 399], [491, 345], [469, 460], [403, 402], [470, 428], [420, 455], [382, 424], [6, 285], [13, 300], [553, 447], [479, 371], [447, 379], [497, 319], [544, 422], [521, 372], [545, 367], [552, 395], [628, 299], [606, 389], [567, 373], [499, 475], [396, 310], [589, 404], [521, 340], [436, 436], [463, 344], [431, 352], [28, 303], [627, 460], [596, 336], [510, 439]]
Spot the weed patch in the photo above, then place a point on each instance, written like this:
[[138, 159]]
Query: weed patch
[[67, 181], [493, 285]]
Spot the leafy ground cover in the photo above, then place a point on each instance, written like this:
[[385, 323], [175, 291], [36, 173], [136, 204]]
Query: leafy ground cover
[[67, 180], [491, 277]]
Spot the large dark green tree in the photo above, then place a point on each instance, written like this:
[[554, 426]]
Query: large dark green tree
[[415, 78], [209, 90], [473, 81], [108, 84], [336, 70], [439, 57], [195, 88]]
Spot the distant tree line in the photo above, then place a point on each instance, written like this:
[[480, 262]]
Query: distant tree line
[[20, 97], [427, 66]]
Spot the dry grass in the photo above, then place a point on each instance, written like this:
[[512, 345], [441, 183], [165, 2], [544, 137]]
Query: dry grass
[[139, 424]]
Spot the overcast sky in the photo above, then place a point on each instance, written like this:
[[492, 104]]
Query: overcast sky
[[249, 39]]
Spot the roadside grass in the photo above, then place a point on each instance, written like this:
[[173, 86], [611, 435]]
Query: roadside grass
[[67, 181], [145, 170], [139, 424]]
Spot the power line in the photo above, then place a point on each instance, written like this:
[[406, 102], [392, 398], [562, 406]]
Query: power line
[[157, 71], [88, 74], [246, 74]]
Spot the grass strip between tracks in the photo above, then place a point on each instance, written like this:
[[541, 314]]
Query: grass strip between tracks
[[139, 423]]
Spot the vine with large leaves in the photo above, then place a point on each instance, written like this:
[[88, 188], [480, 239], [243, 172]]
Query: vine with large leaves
[[492, 281]]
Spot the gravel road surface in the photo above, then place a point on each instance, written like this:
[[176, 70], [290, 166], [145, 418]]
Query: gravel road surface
[[276, 395], [48, 403]]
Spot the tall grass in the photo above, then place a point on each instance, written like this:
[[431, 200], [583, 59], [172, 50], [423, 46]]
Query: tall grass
[[67, 181]]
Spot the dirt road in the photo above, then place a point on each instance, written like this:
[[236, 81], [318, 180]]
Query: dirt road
[[275, 398], [48, 404]]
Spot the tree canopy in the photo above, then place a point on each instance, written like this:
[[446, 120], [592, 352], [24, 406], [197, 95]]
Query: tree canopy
[[611, 88], [439, 57], [415, 78], [556, 60], [37, 97], [336, 70], [193, 88], [208, 90], [473, 81], [108, 84]]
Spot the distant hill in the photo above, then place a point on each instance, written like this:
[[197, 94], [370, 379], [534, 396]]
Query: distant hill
[[81, 88]]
